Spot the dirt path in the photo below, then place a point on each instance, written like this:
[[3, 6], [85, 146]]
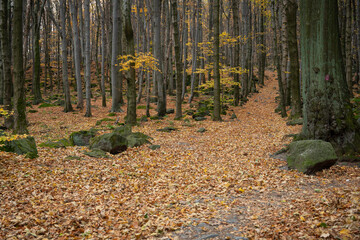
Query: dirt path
[[220, 184]]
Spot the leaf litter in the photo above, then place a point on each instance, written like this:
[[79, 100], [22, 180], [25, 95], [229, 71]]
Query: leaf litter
[[220, 184]]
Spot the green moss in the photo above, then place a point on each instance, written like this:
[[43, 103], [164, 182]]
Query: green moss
[[44, 105]]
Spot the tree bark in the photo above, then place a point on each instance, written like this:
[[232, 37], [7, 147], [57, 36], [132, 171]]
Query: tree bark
[[348, 54], [178, 112], [115, 83], [87, 57], [327, 110], [103, 92], [185, 40], [262, 46], [236, 18], [77, 53], [6, 58], [19, 80], [68, 106], [131, 90], [161, 107], [217, 103], [291, 12], [277, 61]]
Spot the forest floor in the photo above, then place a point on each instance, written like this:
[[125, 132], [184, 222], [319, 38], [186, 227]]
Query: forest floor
[[220, 184]]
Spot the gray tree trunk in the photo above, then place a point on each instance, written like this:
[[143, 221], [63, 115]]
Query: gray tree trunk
[[1, 76], [178, 112], [19, 79], [161, 107], [68, 106], [87, 57], [115, 83], [327, 110], [291, 12], [185, 40], [6, 58], [77, 53], [131, 86], [103, 93], [217, 103], [236, 18], [277, 60], [348, 53]]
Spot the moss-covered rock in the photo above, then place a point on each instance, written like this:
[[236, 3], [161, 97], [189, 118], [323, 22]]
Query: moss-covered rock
[[293, 122], [154, 147], [22, 146], [113, 143], [137, 139], [310, 156], [82, 138], [200, 119], [201, 130], [166, 129]]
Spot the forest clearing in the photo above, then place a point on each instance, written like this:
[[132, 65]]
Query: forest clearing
[[223, 181]]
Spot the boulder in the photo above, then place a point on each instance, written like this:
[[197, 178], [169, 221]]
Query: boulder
[[82, 138], [200, 119], [21, 146], [310, 156], [113, 143], [137, 139], [166, 129]]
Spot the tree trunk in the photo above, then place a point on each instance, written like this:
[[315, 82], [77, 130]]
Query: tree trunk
[[36, 17], [235, 15], [217, 104], [327, 110], [103, 92], [247, 50], [68, 106], [348, 54], [131, 90], [77, 53], [277, 61], [19, 80], [185, 39], [262, 47], [161, 107], [6, 58], [284, 53], [87, 57], [115, 83], [1, 75], [178, 112], [291, 12]]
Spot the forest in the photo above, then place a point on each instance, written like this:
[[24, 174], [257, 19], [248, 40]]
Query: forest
[[178, 119]]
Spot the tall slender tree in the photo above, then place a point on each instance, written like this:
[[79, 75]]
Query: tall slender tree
[[19, 80], [178, 112], [77, 53], [131, 90], [236, 18], [87, 57], [216, 47]]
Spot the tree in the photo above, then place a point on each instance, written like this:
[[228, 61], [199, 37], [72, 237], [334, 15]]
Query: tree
[[161, 108], [6, 59], [19, 80], [217, 109], [131, 91], [77, 53], [37, 11], [87, 57], [115, 81], [235, 15], [68, 106], [327, 111], [291, 10], [178, 113], [103, 93]]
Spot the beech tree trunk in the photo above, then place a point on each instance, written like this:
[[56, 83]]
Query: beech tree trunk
[[178, 112], [77, 53], [6, 58], [68, 107], [161, 107], [348, 53], [235, 15], [131, 90], [327, 110], [19, 79], [291, 12], [217, 103], [87, 57]]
